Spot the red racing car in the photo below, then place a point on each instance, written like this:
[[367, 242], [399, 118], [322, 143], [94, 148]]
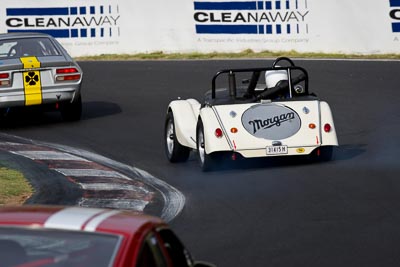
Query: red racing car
[[32, 236]]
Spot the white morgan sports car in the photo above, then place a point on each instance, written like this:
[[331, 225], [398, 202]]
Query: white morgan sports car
[[251, 120]]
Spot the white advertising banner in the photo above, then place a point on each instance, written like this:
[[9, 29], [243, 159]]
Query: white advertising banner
[[94, 27]]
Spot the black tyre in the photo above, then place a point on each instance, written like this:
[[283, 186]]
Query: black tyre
[[72, 111], [173, 149], [207, 162]]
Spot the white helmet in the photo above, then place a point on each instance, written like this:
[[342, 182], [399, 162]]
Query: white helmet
[[272, 77]]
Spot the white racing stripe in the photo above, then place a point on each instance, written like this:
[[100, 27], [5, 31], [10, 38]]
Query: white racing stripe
[[48, 155], [91, 173], [94, 223], [72, 218]]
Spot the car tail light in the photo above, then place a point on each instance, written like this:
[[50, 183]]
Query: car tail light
[[218, 132], [312, 126], [327, 127], [67, 70], [234, 130], [5, 79], [67, 74]]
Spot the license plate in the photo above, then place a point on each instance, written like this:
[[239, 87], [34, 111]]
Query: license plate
[[276, 150]]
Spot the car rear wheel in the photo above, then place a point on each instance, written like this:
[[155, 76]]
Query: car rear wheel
[[72, 111], [207, 161], [174, 150]]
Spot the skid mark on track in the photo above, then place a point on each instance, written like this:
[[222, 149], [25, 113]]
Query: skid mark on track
[[105, 183]]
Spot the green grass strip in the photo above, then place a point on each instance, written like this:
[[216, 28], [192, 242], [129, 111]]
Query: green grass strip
[[14, 188], [246, 54]]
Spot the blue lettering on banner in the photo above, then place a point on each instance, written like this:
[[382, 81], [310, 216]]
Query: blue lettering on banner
[[54, 33], [251, 17], [73, 11], [82, 10], [396, 27], [65, 22], [225, 5], [37, 11], [395, 15], [227, 29], [394, 3]]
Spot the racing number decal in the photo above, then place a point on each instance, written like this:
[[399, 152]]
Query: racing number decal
[[32, 82]]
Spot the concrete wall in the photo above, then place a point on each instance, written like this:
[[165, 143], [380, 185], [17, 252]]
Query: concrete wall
[[93, 27]]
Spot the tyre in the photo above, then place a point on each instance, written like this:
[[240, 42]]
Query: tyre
[[173, 149], [72, 111], [207, 161]]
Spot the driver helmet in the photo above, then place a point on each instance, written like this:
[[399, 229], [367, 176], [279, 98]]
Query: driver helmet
[[272, 77]]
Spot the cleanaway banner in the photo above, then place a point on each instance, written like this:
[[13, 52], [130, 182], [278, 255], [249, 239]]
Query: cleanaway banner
[[94, 27]]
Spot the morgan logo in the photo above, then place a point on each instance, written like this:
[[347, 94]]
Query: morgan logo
[[395, 15], [273, 122]]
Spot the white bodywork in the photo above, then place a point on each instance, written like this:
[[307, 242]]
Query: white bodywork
[[306, 133]]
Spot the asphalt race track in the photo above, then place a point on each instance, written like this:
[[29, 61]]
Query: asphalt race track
[[255, 213]]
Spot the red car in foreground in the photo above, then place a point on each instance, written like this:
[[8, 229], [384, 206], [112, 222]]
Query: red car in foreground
[[32, 236]]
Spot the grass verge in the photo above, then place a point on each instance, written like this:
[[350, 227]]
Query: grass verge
[[14, 188], [241, 55]]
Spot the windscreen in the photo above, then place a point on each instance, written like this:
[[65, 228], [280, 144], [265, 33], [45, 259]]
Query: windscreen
[[23, 47], [43, 247]]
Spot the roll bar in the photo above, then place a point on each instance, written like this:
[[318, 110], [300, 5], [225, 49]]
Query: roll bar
[[256, 75]]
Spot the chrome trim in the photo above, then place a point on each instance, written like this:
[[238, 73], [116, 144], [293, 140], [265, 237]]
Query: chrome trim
[[222, 127], [290, 82], [170, 137], [320, 123]]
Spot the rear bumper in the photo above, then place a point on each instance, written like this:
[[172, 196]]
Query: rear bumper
[[52, 96], [292, 151]]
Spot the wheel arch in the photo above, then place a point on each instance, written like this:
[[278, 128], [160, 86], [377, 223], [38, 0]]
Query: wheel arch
[[210, 123], [185, 119], [327, 138]]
